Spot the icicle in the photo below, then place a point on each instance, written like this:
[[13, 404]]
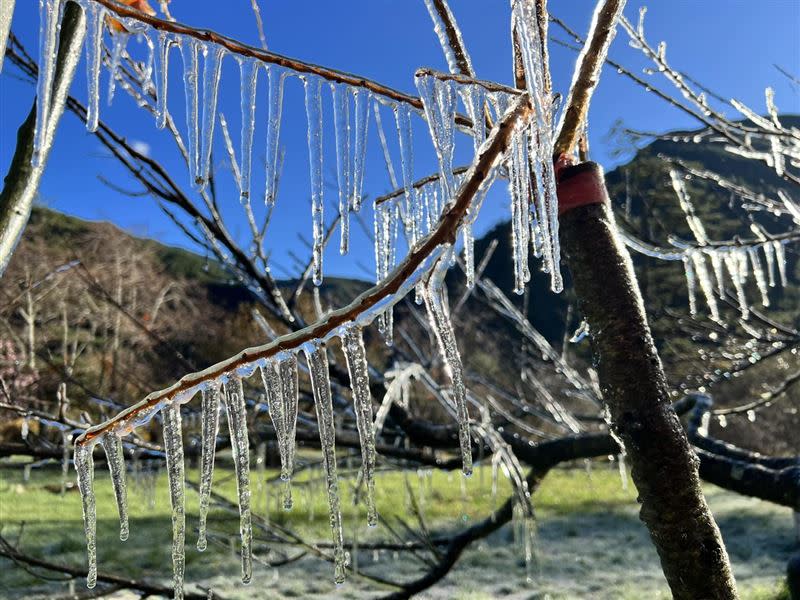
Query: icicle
[[274, 110], [518, 187], [541, 143], [211, 72], [469, 254], [164, 43], [691, 284], [780, 260], [208, 439], [24, 428], [287, 370], [758, 271], [84, 467], [706, 286], [439, 100], [94, 57], [189, 53], [317, 358], [313, 86], [580, 333], [402, 115], [435, 298], [173, 447], [66, 440], [237, 424], [112, 445], [344, 172], [732, 264], [719, 273], [769, 257], [248, 70], [270, 376], [361, 100], [474, 97], [50, 12], [356, 357], [120, 41]]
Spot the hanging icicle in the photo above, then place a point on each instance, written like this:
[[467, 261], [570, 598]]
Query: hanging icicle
[[208, 442], [190, 48], [237, 425], [435, 301], [112, 445], [317, 359], [84, 467], [341, 121], [173, 447], [248, 71], [358, 369], [313, 89], [277, 75]]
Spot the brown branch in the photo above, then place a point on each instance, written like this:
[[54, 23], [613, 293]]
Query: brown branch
[[587, 73], [445, 233]]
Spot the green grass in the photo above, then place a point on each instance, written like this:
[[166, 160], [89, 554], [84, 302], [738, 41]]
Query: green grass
[[43, 523]]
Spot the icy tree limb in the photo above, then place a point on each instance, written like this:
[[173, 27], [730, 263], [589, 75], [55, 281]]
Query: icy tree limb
[[22, 181], [384, 294], [587, 74], [450, 37]]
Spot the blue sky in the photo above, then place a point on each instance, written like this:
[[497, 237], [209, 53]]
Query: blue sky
[[731, 46]]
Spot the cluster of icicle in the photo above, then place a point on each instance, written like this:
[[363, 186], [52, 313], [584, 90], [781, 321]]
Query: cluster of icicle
[[279, 376], [709, 266], [535, 223]]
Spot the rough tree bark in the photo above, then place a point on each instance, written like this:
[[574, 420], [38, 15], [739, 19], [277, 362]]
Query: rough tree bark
[[664, 467]]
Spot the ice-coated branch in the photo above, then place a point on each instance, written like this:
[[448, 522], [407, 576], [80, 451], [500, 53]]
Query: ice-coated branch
[[587, 73], [449, 34], [271, 58], [34, 139], [378, 297]]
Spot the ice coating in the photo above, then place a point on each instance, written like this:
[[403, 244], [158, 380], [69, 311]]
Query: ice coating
[[441, 32], [237, 425], [173, 448], [313, 89], [358, 369], [209, 428], [112, 445], [317, 359]]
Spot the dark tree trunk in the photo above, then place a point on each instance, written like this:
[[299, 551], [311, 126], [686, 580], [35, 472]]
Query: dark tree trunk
[[664, 467]]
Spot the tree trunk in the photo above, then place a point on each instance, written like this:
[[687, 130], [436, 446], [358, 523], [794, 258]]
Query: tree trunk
[[663, 465]]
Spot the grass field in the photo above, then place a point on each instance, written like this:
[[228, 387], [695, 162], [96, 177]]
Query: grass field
[[590, 543]]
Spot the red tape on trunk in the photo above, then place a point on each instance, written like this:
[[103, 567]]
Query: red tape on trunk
[[579, 185]]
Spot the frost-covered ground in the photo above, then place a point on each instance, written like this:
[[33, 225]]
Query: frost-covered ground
[[590, 542]]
